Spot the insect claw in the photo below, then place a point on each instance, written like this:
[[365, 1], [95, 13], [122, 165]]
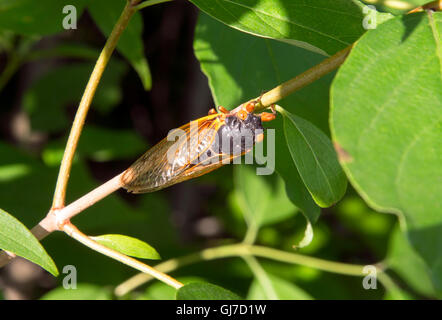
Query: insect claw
[[211, 111], [265, 116], [223, 110]]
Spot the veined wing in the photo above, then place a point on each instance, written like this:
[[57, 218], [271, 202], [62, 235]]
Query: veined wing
[[170, 162]]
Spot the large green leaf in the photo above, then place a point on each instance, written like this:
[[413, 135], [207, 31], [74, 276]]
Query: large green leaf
[[35, 17], [204, 291], [240, 67], [128, 245], [315, 159], [105, 13], [15, 237], [319, 25], [386, 121]]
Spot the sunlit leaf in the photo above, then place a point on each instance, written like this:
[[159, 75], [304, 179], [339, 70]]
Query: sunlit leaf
[[307, 24], [386, 122], [16, 238], [128, 245]]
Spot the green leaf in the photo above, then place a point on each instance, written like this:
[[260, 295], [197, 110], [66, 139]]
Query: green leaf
[[386, 120], [240, 66], [283, 289], [99, 144], [83, 291], [204, 291], [31, 17], [262, 198], [160, 291], [308, 24], [15, 237], [128, 246], [64, 85], [408, 264], [105, 14], [315, 159]]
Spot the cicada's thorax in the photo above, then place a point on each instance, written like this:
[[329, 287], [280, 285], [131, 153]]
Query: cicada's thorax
[[238, 136]]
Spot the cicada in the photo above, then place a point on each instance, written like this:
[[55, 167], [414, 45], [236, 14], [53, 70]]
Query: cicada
[[199, 147]]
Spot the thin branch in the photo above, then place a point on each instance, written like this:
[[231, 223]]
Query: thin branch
[[297, 83], [73, 232], [83, 108], [434, 5], [88, 200], [243, 250]]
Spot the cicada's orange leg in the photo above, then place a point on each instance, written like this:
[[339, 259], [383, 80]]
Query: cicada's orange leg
[[265, 116], [211, 111], [223, 110], [250, 106]]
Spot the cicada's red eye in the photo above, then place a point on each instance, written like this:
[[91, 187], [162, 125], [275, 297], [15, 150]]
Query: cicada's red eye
[[242, 114], [250, 107]]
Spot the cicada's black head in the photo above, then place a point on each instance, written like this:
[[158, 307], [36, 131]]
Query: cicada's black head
[[237, 136]]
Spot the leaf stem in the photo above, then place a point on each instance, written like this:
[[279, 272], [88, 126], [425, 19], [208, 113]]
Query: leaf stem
[[243, 250], [76, 234], [83, 108]]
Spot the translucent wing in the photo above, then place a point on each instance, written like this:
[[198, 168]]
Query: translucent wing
[[169, 162]]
